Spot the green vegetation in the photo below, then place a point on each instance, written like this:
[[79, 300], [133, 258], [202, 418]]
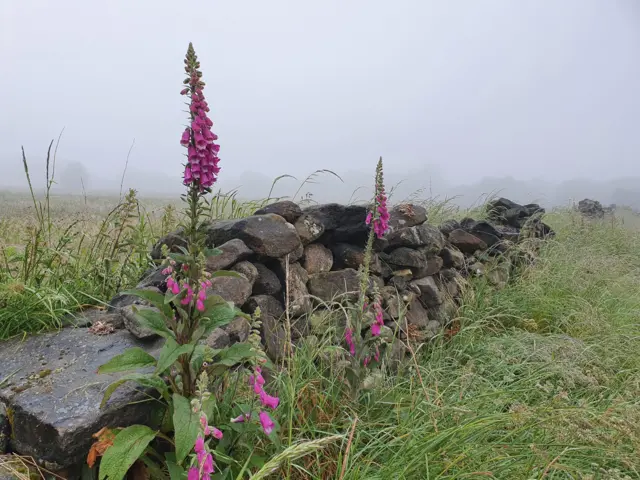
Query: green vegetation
[[542, 381]]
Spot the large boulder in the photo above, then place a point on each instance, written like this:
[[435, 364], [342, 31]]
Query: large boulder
[[428, 291], [507, 212], [268, 305], [346, 255], [233, 252], [267, 235], [173, 241], [132, 321], [235, 289], [296, 290], [53, 392], [287, 209]]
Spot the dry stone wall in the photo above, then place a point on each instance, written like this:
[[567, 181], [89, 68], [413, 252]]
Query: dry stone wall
[[50, 395]]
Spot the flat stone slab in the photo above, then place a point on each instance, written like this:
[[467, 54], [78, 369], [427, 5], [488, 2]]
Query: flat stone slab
[[52, 392]]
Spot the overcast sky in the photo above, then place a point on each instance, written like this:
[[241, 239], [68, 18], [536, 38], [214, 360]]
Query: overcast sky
[[527, 88]]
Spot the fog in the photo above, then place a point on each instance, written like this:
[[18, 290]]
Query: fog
[[538, 99]]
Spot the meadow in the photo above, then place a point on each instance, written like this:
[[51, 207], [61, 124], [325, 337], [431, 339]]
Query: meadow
[[541, 381]]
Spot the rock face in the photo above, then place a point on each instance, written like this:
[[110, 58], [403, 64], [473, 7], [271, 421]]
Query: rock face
[[267, 235], [55, 393]]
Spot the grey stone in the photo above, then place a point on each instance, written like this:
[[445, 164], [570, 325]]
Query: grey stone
[[287, 209], [247, 269], [424, 235], [341, 223], [346, 255], [416, 314], [173, 241], [299, 302], [266, 235], [55, 393], [123, 300], [233, 251], [428, 290], [466, 242], [405, 257], [309, 229], [335, 286], [274, 336], [132, 323], [238, 330], [92, 316], [406, 215], [452, 257], [5, 429], [232, 289], [317, 258], [449, 226], [153, 278], [267, 282], [268, 305], [218, 339]]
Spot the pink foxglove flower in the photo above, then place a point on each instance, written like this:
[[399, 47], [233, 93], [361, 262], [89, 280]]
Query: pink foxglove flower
[[241, 418], [269, 401], [215, 433], [379, 216], [207, 467], [379, 320], [348, 336], [202, 158], [376, 356], [266, 422], [193, 474]]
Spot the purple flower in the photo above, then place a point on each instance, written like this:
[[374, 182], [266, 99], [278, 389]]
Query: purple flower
[[215, 433], [379, 216], [207, 467], [269, 401], [193, 474], [348, 336], [376, 356], [379, 320], [266, 422], [186, 138], [366, 360], [241, 418]]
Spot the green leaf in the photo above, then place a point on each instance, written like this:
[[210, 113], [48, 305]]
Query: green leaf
[[217, 316], [127, 447], [130, 359], [154, 321], [176, 472], [212, 252], [231, 356], [154, 298], [146, 380], [225, 273], [187, 426], [170, 353]]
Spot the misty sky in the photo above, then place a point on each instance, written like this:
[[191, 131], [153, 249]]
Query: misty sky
[[544, 88]]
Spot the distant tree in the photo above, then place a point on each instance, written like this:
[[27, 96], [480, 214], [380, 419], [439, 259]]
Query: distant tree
[[74, 177]]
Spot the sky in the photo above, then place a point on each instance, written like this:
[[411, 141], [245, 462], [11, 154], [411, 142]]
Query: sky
[[453, 90]]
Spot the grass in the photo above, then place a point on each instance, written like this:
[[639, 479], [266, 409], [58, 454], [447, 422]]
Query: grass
[[542, 380]]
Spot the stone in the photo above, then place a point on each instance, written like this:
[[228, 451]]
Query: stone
[[268, 305], [267, 235], [341, 223], [132, 323], [267, 282], [450, 282], [506, 212], [54, 393], [218, 339], [154, 278], [173, 241], [247, 269], [394, 302], [401, 279], [406, 215], [232, 289], [432, 266], [405, 257], [274, 336], [397, 354], [428, 291], [335, 286], [488, 234], [300, 327], [5, 429], [123, 300], [424, 235], [346, 255], [287, 209], [452, 257], [466, 242], [308, 228], [498, 276], [233, 251], [296, 286], [449, 226], [591, 208], [93, 316], [477, 269], [238, 330], [317, 258], [416, 314]]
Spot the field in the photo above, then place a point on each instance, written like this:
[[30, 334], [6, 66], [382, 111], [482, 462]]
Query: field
[[541, 381]]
